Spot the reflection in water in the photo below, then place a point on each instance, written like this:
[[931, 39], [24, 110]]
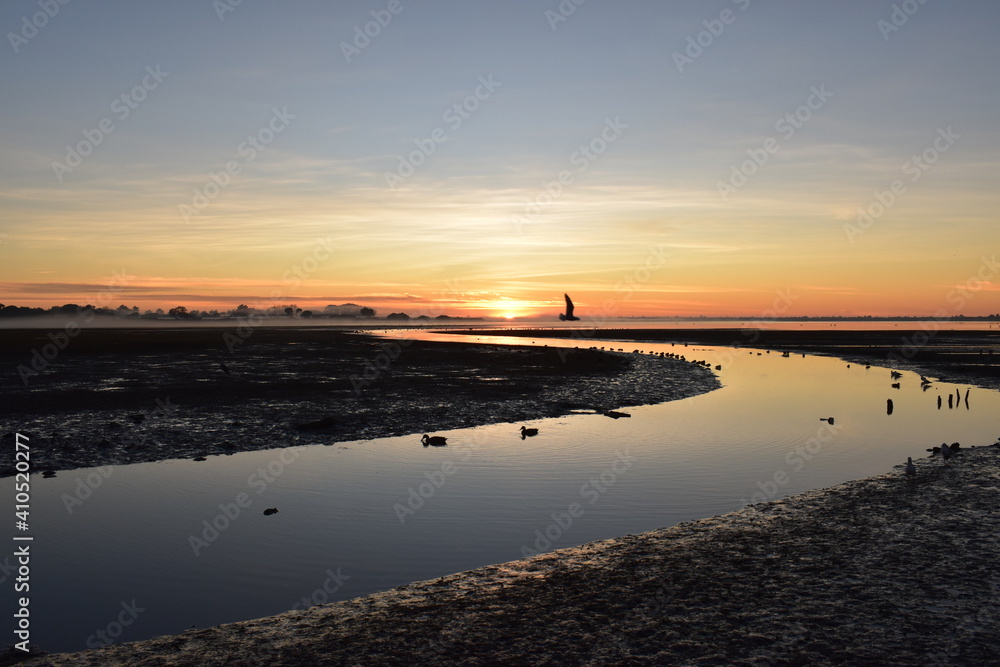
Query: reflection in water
[[189, 543]]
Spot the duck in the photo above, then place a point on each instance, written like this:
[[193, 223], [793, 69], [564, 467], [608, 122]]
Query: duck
[[528, 432], [270, 510], [434, 440]]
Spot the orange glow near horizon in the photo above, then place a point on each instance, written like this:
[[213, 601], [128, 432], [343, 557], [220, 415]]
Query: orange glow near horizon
[[981, 298]]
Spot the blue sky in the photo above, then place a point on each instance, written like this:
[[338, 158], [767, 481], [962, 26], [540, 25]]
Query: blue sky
[[453, 222]]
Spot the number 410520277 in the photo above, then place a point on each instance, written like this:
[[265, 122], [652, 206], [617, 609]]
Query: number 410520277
[[22, 484]]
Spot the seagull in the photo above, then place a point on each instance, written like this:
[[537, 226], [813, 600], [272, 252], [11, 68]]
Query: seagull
[[528, 432], [434, 440], [568, 315], [911, 469]]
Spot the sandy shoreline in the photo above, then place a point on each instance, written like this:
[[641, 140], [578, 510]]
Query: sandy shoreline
[[879, 571]]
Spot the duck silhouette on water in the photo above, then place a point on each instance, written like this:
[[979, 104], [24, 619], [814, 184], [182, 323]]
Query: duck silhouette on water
[[434, 440], [528, 432]]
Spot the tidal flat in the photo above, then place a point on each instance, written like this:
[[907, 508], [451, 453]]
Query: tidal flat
[[116, 397], [682, 640]]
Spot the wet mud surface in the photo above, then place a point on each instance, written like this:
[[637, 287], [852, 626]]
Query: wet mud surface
[[127, 396], [882, 571]]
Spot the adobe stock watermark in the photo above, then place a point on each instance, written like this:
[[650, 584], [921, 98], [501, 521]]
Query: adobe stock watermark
[[321, 253], [122, 107], [230, 512], [696, 44], [565, 9], [795, 460], [454, 116], [113, 630], [418, 497], [223, 7], [591, 491], [899, 16], [391, 351], [784, 298], [248, 150], [957, 297], [42, 357], [582, 158], [333, 583], [625, 288], [915, 168], [87, 486], [786, 126], [37, 21], [363, 36]]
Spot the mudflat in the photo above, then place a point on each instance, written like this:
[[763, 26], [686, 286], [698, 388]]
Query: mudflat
[[117, 396]]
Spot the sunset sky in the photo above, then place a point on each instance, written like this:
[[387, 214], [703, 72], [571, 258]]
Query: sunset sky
[[482, 158]]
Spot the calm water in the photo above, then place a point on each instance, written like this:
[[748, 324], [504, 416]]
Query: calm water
[[487, 497]]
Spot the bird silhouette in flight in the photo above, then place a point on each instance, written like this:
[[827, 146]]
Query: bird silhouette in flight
[[568, 315]]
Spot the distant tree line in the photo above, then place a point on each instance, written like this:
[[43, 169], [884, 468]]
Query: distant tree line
[[345, 311]]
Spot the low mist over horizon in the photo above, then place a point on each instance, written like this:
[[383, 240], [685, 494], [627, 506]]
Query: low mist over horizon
[[683, 159]]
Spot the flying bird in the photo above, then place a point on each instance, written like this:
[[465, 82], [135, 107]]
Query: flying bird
[[568, 315]]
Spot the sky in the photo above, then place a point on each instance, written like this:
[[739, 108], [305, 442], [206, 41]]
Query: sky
[[462, 157]]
